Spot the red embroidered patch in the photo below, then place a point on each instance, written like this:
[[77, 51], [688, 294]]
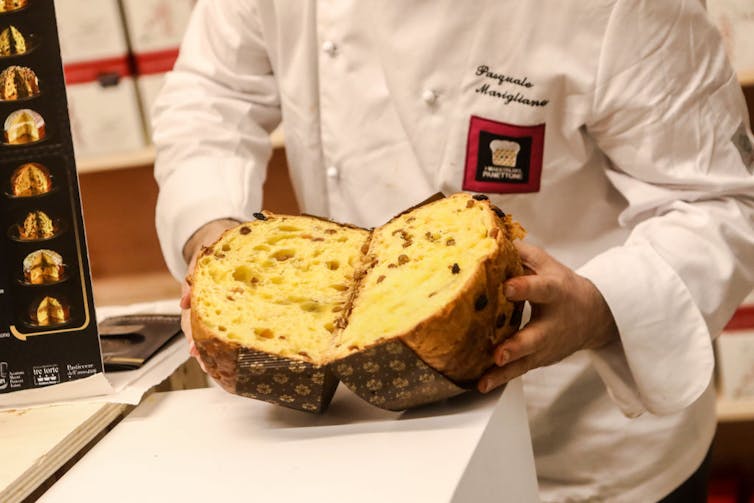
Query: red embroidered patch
[[503, 158]]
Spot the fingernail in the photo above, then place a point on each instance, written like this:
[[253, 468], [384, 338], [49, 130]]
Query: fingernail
[[503, 358], [509, 291]]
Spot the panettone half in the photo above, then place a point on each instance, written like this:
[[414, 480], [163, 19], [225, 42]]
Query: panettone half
[[404, 315]]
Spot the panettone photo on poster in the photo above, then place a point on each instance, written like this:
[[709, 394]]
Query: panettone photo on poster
[[409, 313]]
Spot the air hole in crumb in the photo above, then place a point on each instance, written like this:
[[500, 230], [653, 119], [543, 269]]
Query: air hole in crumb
[[222, 328], [340, 288], [289, 228], [310, 307], [242, 273], [403, 259], [264, 333], [332, 265], [226, 247], [329, 327], [283, 255], [450, 242], [261, 248]]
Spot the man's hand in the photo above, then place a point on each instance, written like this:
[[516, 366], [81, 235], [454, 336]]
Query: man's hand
[[205, 236], [568, 314]]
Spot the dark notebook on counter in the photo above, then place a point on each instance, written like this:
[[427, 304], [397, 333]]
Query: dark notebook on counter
[[129, 341]]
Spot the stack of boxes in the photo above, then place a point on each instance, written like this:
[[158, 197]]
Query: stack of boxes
[[735, 20], [155, 30], [735, 355], [115, 54]]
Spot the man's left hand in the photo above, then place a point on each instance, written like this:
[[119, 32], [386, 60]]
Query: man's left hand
[[568, 314]]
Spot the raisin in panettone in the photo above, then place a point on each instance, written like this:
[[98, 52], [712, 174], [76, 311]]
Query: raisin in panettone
[[406, 314]]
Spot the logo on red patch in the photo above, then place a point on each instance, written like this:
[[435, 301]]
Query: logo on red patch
[[503, 158]]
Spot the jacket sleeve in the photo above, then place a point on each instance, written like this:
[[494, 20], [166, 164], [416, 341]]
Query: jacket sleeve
[[670, 116], [211, 125]]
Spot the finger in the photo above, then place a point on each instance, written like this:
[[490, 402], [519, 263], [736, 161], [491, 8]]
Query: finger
[[499, 376], [537, 289], [185, 302], [522, 344], [533, 257]]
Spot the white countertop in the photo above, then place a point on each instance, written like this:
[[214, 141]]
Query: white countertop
[[206, 444]]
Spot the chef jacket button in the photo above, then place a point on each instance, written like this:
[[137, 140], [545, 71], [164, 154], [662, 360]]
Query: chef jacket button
[[329, 47], [429, 97], [332, 172]]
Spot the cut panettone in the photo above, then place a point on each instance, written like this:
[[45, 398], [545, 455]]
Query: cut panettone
[[405, 315], [36, 226], [12, 42], [274, 287], [18, 82], [30, 179]]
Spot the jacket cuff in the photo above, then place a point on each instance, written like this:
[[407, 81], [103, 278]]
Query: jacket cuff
[[664, 360], [186, 203]]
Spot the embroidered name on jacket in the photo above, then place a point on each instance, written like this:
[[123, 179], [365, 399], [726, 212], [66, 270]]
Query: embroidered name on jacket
[[505, 95], [503, 158]]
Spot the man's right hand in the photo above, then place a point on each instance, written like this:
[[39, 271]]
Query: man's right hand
[[205, 236]]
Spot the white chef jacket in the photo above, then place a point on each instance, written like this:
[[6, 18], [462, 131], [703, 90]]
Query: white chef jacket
[[634, 147]]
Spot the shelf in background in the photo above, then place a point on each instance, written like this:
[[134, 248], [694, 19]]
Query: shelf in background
[[746, 78], [131, 289], [143, 157], [729, 411]]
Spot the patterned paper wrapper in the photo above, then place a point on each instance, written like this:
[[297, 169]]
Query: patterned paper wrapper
[[391, 376], [283, 381]]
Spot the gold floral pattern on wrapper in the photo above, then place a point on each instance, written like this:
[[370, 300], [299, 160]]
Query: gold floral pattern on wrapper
[[391, 376], [282, 381]]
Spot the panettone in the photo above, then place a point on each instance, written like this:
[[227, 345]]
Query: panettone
[[18, 82], [37, 226], [30, 179], [50, 311], [406, 314], [11, 5], [24, 126], [43, 267], [12, 42]]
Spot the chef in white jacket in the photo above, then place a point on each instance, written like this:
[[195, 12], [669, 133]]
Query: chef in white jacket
[[614, 130]]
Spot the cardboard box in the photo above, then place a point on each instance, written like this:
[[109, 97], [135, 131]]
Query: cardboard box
[[48, 330], [103, 103], [735, 355], [155, 30]]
